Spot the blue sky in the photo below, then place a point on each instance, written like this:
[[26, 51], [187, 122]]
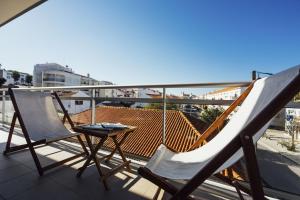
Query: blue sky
[[156, 41]]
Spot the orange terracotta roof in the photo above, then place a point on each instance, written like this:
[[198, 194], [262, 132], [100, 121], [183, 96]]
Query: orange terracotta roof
[[180, 133], [223, 90]]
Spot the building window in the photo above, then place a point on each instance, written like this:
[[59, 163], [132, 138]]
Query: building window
[[78, 102], [54, 77]]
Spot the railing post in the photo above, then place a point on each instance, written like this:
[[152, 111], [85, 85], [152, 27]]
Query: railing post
[[93, 106], [164, 116], [93, 113], [253, 75], [3, 108]]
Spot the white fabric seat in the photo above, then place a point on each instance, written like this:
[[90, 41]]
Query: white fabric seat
[[185, 165], [40, 116]]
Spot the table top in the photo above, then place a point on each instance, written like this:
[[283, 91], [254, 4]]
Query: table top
[[103, 133]]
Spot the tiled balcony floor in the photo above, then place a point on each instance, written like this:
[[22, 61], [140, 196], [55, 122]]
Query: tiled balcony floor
[[20, 180]]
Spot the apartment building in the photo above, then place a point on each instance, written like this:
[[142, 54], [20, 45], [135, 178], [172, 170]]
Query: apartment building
[[230, 93], [7, 74], [53, 74], [56, 75]]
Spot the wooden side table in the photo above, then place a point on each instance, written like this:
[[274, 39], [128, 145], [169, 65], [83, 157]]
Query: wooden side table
[[103, 135]]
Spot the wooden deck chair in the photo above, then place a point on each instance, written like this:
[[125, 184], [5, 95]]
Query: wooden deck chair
[[40, 124], [220, 120], [235, 140], [229, 175]]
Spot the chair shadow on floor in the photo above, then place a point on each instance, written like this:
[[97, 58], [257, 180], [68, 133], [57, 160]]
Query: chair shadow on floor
[[19, 178]]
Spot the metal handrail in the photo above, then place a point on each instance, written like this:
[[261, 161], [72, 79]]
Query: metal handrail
[[182, 85]]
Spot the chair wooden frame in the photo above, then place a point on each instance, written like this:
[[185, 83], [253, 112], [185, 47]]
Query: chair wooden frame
[[29, 144], [243, 140], [218, 124]]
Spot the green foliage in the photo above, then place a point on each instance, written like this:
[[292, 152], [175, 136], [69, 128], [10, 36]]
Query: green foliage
[[293, 126], [28, 79], [209, 115], [172, 106], [154, 106], [288, 145], [169, 106], [15, 75], [2, 81]]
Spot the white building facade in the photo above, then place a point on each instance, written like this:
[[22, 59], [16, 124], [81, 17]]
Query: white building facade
[[21, 81], [7, 74], [74, 106], [144, 93], [230, 93], [52, 74]]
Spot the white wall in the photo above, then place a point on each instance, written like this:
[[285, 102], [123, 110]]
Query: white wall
[[226, 95], [71, 106], [279, 120], [144, 93]]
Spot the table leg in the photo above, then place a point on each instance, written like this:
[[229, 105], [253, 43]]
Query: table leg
[[97, 163], [120, 143], [92, 155], [114, 138]]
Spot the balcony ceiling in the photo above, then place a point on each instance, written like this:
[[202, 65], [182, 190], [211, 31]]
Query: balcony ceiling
[[11, 9]]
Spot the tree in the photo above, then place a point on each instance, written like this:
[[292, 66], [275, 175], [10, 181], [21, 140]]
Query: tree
[[15, 75], [154, 106], [293, 125], [28, 79], [169, 106], [209, 115], [2, 81], [172, 106]]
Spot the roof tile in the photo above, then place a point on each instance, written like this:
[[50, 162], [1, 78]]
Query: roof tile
[[180, 133]]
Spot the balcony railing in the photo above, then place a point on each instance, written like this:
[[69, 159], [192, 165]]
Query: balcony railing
[[164, 100]]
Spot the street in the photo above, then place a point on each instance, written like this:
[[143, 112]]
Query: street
[[277, 171]]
